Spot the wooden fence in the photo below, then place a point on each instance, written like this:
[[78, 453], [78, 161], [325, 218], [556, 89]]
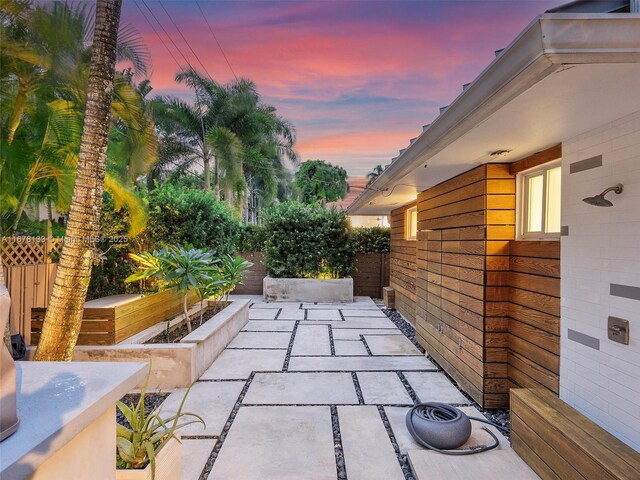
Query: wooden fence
[[371, 275], [29, 271]]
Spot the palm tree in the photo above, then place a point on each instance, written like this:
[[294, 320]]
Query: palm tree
[[229, 126], [377, 171], [64, 315], [38, 157]]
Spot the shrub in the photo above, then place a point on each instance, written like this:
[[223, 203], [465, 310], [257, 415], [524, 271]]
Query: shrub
[[184, 216], [252, 238], [305, 241], [371, 240]]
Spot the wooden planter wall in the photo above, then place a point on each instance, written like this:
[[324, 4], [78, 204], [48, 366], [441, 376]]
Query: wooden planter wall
[[111, 325], [486, 307]]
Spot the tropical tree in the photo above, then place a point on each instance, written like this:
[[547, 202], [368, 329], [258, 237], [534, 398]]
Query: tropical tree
[[375, 173], [64, 315], [322, 182], [39, 154], [229, 126]]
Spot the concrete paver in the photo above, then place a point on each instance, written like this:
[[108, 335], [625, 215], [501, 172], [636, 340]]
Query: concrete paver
[[278, 443], [237, 364], [349, 347], [261, 340], [269, 326], [368, 452], [195, 453], [434, 387], [383, 388], [311, 340], [213, 401], [407, 362], [301, 388], [391, 345]]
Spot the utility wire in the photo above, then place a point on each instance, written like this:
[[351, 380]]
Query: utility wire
[[157, 34], [216, 39], [186, 41], [167, 34]]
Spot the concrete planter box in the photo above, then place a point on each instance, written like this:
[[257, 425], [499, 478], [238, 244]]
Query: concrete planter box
[[308, 290], [175, 365], [168, 464]]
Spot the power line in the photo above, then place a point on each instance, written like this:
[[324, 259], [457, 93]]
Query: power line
[[167, 34], [157, 34], [185, 41], [217, 42]]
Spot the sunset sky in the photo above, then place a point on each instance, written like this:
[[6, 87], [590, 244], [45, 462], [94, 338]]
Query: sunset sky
[[358, 79]]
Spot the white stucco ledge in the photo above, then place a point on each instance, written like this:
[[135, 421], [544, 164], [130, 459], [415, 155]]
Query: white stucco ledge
[[57, 401]]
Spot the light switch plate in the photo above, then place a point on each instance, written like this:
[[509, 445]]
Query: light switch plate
[[618, 330]]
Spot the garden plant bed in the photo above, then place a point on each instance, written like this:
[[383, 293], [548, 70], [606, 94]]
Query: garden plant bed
[[179, 331], [178, 364]]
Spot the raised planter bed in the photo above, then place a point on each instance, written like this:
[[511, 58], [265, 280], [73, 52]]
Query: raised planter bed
[[174, 365], [338, 290], [110, 320]]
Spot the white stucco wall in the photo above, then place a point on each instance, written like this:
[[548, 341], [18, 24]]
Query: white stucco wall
[[599, 377]]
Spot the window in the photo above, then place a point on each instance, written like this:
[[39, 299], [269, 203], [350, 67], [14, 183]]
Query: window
[[539, 202], [411, 222]]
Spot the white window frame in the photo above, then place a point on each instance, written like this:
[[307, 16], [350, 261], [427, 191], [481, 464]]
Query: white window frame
[[407, 221], [522, 204]]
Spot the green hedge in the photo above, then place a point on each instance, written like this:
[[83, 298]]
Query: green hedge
[[177, 216], [371, 240], [186, 216], [252, 238], [306, 241]]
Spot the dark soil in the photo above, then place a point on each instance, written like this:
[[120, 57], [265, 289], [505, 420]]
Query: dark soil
[[151, 402], [178, 332]]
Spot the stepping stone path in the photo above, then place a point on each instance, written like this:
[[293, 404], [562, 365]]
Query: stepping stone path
[[315, 392]]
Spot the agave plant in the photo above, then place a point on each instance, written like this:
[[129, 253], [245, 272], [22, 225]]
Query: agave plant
[[139, 445]]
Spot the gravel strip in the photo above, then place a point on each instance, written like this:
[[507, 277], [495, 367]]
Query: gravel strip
[[337, 444], [403, 459]]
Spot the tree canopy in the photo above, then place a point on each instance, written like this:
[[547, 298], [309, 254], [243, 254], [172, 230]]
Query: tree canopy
[[322, 182]]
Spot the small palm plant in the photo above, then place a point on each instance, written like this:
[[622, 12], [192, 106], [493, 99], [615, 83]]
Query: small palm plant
[[179, 267], [232, 272], [139, 445]]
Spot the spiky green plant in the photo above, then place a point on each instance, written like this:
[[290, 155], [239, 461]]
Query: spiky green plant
[[139, 445]]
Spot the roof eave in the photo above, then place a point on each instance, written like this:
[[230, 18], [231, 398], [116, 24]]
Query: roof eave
[[545, 45]]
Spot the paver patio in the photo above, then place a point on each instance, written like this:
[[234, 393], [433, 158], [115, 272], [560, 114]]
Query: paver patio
[[290, 391]]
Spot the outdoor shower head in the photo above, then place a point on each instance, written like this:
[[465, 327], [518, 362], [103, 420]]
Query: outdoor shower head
[[599, 200]]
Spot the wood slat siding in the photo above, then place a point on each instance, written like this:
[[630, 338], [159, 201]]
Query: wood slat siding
[[402, 264], [560, 443], [371, 276], [111, 325], [534, 314], [486, 307]]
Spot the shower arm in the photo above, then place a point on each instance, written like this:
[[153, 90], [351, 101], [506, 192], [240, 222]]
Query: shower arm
[[616, 188]]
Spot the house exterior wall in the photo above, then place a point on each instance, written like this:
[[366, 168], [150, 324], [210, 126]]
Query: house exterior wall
[[599, 377], [486, 306], [402, 264]]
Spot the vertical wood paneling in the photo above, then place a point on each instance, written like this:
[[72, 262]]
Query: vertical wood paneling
[[402, 264]]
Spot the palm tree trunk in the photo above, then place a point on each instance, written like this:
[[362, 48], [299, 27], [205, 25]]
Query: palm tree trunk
[[18, 109], [216, 180], [207, 173], [22, 205], [64, 315]]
